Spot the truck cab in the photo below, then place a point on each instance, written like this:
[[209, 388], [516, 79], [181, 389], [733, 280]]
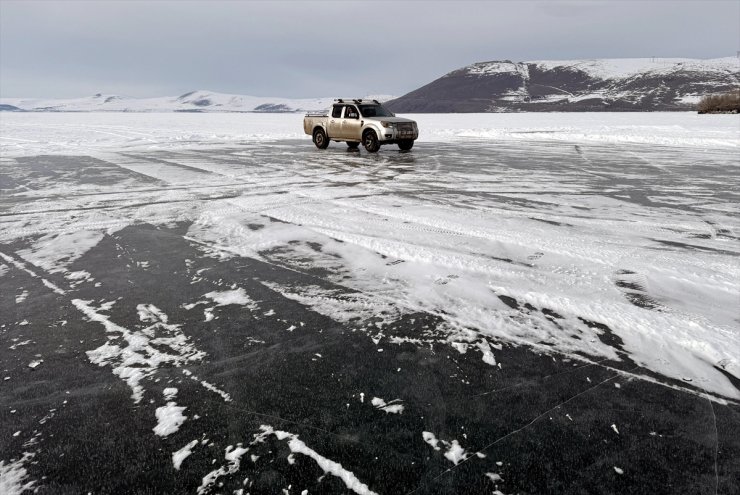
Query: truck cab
[[360, 121]]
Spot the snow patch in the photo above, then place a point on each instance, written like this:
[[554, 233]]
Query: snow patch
[[169, 419], [179, 456], [136, 355], [233, 457], [327, 465], [495, 477], [19, 298], [454, 452], [431, 439], [390, 407], [54, 252], [13, 475], [236, 296]]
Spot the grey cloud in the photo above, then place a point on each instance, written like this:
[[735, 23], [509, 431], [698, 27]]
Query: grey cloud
[[319, 48]]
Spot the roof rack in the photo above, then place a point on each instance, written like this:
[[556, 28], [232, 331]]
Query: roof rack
[[354, 100]]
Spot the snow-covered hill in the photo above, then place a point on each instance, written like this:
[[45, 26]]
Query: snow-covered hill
[[575, 85], [194, 101]]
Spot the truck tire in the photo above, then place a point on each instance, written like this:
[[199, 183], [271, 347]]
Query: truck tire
[[406, 144], [320, 139], [370, 141], [353, 145]]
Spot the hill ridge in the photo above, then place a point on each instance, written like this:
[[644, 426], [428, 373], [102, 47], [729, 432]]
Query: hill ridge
[[629, 84]]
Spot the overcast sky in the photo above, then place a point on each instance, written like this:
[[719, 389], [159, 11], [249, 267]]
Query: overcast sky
[[60, 48]]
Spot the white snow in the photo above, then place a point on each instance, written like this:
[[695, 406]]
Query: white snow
[[13, 476], [297, 446], [454, 452], [235, 296], [233, 462], [208, 386], [54, 253], [143, 350], [149, 313], [389, 407], [495, 477], [169, 419], [179, 456], [622, 68], [685, 129], [488, 68], [200, 101], [431, 439]]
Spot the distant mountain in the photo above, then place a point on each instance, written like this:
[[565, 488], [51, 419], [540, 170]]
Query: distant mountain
[[9, 108], [640, 84], [194, 101]]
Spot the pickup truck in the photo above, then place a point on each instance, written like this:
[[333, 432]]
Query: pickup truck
[[360, 121]]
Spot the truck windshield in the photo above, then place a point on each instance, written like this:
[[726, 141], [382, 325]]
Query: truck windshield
[[375, 111]]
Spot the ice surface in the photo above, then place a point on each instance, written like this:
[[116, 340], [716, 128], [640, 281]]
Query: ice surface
[[621, 225], [27, 134]]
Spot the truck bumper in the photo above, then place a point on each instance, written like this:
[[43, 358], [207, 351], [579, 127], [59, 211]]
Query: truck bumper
[[392, 135]]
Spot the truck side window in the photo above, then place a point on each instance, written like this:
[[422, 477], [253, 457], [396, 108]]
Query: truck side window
[[336, 111], [351, 113]]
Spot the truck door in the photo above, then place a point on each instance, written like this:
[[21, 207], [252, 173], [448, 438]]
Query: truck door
[[351, 123], [335, 121]]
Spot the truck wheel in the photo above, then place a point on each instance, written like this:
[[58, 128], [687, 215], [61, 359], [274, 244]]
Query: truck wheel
[[370, 141], [353, 145], [406, 144], [320, 139]]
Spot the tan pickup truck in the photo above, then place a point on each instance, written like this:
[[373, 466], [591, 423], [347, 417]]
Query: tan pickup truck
[[360, 121]]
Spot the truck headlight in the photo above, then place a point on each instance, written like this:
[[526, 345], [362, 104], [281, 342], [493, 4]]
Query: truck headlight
[[385, 123]]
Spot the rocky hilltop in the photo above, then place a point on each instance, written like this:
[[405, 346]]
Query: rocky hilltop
[[641, 84]]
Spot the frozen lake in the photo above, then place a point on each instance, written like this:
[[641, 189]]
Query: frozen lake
[[206, 303]]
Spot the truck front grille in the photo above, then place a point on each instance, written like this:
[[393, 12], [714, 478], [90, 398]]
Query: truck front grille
[[405, 126]]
